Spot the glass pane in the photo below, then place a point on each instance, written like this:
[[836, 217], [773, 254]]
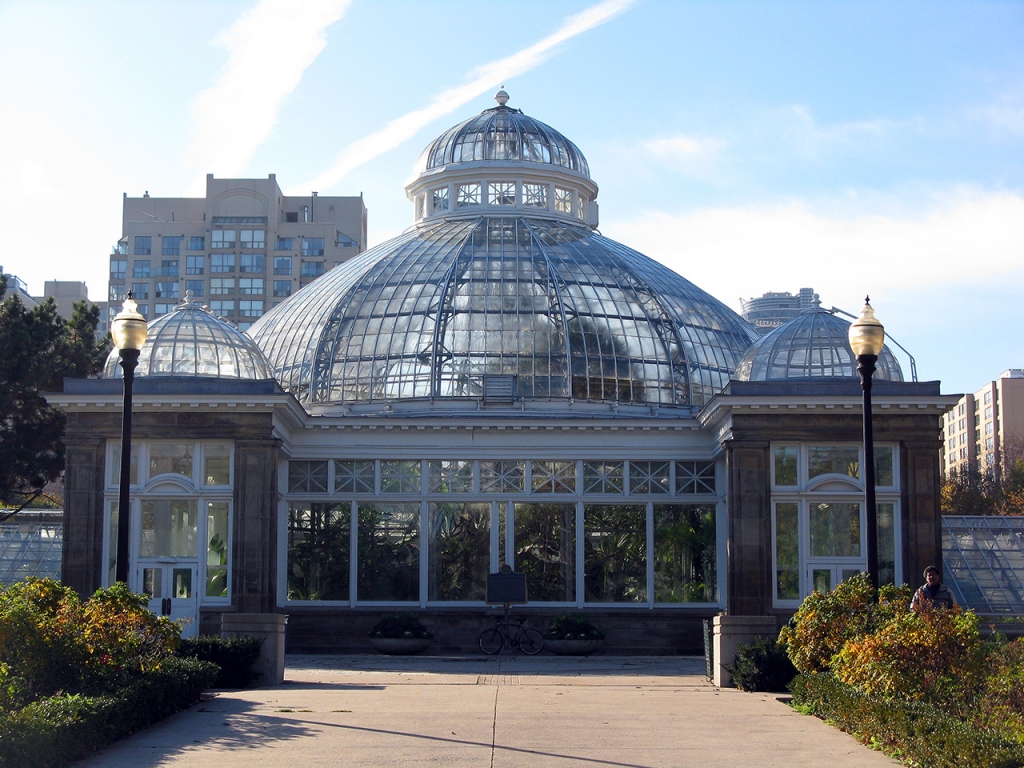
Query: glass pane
[[307, 476], [460, 551], [152, 582], [170, 458], [553, 476], [545, 544], [319, 542], [822, 579], [886, 517], [883, 467], [835, 530], [389, 552], [603, 477], [648, 477], [849, 573], [217, 461], [181, 580], [695, 477], [399, 477], [115, 465], [168, 528], [615, 553], [833, 459], [502, 476], [217, 549], [353, 477], [787, 553], [685, 553], [451, 476], [785, 465]]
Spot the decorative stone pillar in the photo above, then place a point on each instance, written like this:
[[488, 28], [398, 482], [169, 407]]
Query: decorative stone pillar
[[730, 633], [255, 527], [269, 627]]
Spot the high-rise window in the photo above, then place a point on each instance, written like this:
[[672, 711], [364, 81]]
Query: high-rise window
[[118, 267], [194, 265], [285, 244], [143, 245], [221, 286], [312, 268], [250, 286], [222, 262], [282, 288], [170, 246], [140, 291], [197, 243], [168, 268], [282, 265], [312, 246], [222, 238], [196, 286], [161, 309], [140, 268], [253, 238], [250, 308], [116, 292], [251, 262], [168, 290], [222, 307]]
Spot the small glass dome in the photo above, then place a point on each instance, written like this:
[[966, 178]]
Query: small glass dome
[[504, 134], [192, 341], [815, 345]]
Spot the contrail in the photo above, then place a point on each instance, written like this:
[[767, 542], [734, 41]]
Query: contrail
[[482, 79]]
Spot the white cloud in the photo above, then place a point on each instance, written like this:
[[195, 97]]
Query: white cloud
[[481, 80], [270, 48], [733, 252]]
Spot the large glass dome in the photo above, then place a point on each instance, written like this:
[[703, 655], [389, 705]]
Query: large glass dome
[[192, 341], [815, 345], [566, 312], [502, 133]]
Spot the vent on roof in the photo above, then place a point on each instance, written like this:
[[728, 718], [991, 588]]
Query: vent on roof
[[499, 389]]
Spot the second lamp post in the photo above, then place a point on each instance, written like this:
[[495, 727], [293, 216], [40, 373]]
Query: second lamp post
[[867, 337]]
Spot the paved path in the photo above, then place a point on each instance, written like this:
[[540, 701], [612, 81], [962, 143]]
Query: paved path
[[499, 712]]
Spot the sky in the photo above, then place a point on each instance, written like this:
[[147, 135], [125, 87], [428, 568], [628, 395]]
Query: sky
[[852, 147]]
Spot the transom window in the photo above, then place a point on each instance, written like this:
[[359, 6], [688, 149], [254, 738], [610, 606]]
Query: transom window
[[467, 194], [440, 199], [501, 193], [535, 195], [563, 200]]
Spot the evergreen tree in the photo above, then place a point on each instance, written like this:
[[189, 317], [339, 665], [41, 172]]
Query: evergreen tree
[[38, 348]]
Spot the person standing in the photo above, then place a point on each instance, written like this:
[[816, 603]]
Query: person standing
[[933, 593]]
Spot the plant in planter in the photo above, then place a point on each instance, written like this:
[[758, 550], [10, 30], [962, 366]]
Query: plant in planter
[[400, 634], [573, 634]]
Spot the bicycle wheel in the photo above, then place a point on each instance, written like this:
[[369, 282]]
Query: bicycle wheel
[[531, 642], [491, 641]]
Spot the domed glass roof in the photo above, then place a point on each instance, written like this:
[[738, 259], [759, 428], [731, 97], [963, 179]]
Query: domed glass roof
[[505, 134], [814, 345], [191, 341], [570, 314]]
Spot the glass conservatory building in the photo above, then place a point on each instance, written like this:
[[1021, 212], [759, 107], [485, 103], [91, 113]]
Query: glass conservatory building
[[499, 384]]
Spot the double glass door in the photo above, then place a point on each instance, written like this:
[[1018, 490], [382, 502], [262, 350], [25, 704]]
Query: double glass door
[[171, 586]]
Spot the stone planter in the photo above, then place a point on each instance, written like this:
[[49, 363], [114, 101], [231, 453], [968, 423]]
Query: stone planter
[[401, 646], [573, 647]]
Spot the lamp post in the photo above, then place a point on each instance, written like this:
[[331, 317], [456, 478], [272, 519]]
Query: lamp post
[[867, 337], [128, 330]]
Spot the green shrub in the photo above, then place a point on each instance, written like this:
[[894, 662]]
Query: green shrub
[[573, 626], [762, 666], [400, 625], [1001, 703], [934, 656], [825, 622], [235, 656], [56, 730], [915, 731]]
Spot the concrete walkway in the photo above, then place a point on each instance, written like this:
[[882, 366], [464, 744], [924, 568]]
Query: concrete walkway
[[494, 712]]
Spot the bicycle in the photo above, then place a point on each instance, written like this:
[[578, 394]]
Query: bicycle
[[529, 641]]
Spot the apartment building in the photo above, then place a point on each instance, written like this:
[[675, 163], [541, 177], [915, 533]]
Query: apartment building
[[242, 249], [985, 431], [774, 309]]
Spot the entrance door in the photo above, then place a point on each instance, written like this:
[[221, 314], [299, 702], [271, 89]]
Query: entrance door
[[172, 587]]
